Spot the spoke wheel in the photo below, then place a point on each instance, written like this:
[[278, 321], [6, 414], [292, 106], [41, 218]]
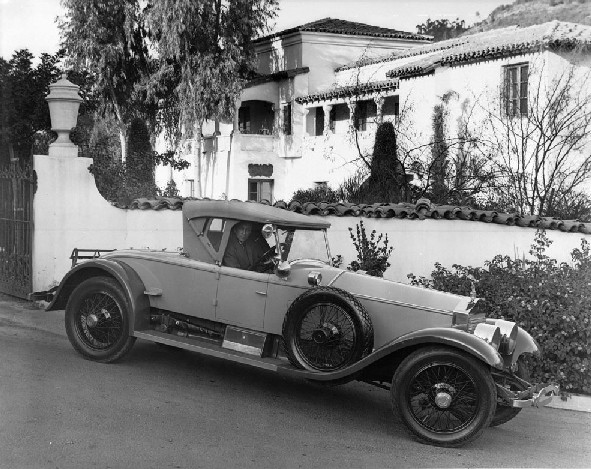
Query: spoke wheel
[[444, 397], [326, 329], [97, 320]]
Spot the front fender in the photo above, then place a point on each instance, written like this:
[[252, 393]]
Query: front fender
[[524, 343], [127, 278], [455, 338]]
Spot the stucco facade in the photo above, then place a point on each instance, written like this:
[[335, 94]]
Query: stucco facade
[[322, 93]]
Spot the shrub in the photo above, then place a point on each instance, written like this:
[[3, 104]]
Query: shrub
[[317, 194], [371, 257], [549, 300]]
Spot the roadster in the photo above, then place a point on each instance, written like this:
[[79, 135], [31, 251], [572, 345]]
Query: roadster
[[451, 372]]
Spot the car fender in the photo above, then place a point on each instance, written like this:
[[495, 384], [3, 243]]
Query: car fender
[[455, 338], [129, 280], [524, 343]]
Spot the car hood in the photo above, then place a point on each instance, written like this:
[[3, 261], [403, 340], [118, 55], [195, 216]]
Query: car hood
[[367, 287]]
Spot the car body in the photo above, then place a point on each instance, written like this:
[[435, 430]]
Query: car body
[[296, 314]]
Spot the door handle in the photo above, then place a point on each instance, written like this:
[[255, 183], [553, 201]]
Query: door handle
[[262, 293]]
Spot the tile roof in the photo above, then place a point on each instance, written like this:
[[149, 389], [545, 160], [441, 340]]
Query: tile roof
[[350, 28], [487, 45], [347, 91], [421, 210]]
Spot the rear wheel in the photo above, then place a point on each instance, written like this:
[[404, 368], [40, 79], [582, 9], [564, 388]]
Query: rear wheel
[[97, 320], [445, 397]]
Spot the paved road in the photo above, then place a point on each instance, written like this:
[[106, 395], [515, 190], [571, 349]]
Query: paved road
[[166, 408]]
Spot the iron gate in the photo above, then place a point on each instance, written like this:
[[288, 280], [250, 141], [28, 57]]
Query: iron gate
[[16, 229]]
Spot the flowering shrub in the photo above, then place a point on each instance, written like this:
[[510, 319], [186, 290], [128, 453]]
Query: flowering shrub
[[371, 257], [549, 300]]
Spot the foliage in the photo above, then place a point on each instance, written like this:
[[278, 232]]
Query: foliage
[[440, 154], [317, 194], [543, 158], [549, 300], [122, 182], [371, 256], [442, 29], [170, 190], [203, 60], [388, 181], [23, 109], [107, 38]]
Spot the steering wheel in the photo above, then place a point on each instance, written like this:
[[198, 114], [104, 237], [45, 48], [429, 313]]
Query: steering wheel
[[265, 261]]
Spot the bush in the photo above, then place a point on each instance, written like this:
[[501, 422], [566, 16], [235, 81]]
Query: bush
[[371, 257], [549, 300], [317, 194]]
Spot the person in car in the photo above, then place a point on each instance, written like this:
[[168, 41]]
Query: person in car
[[245, 247]]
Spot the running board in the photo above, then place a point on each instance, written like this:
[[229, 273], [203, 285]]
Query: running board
[[214, 349]]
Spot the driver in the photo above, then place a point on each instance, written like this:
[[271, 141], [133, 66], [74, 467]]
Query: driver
[[243, 252]]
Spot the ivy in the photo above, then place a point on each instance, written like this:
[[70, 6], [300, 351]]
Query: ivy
[[547, 299]]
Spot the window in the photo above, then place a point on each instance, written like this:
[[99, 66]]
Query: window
[[515, 92], [363, 111], [215, 232], [287, 119], [244, 120], [191, 187], [260, 189]]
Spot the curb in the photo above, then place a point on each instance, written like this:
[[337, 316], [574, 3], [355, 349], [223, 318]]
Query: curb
[[33, 314], [574, 402]]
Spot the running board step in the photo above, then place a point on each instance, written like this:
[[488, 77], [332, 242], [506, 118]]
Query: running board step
[[215, 350]]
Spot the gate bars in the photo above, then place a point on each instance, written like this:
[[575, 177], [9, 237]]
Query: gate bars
[[16, 229]]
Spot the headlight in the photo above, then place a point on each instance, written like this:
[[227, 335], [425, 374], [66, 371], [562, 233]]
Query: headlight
[[489, 333], [508, 332]]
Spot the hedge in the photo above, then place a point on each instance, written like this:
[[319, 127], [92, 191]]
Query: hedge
[[549, 300]]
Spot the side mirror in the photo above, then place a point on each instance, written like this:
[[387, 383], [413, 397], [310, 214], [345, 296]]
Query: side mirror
[[267, 231]]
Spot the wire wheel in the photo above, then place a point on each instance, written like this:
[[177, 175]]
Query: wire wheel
[[443, 398], [326, 337], [97, 320], [326, 329]]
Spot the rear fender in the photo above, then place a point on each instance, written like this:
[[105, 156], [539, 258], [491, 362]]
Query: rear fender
[[132, 285], [447, 336]]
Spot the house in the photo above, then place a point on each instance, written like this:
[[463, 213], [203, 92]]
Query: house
[[264, 153], [324, 88]]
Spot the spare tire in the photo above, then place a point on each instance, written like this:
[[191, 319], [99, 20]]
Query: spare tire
[[326, 329]]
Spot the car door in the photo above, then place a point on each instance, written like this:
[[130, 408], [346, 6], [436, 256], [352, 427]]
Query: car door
[[242, 297]]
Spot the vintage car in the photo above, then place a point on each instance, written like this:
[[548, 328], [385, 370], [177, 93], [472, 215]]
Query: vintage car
[[451, 372]]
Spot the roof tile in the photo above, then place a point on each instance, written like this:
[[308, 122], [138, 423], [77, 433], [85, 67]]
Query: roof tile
[[422, 210]]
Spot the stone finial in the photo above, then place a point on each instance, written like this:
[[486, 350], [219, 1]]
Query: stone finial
[[63, 101]]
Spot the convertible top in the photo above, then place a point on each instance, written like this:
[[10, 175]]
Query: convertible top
[[250, 211]]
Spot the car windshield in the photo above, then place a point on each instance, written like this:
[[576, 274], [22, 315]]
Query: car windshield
[[302, 244]]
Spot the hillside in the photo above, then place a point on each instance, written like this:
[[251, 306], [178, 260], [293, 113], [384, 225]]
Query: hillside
[[530, 12]]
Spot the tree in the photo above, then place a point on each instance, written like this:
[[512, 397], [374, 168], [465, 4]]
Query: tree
[[203, 60], [442, 29], [107, 38], [543, 157], [24, 114]]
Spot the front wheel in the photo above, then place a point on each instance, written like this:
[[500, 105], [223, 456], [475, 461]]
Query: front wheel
[[444, 396], [97, 320]]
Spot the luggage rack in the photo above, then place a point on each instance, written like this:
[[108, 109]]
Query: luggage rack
[[78, 254]]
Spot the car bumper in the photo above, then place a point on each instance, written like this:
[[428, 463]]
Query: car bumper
[[536, 395]]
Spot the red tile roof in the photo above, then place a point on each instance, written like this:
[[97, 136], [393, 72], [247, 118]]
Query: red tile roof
[[350, 28], [421, 210], [486, 45], [347, 91]]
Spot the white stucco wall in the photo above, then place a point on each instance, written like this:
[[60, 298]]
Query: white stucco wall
[[419, 244], [70, 213]]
